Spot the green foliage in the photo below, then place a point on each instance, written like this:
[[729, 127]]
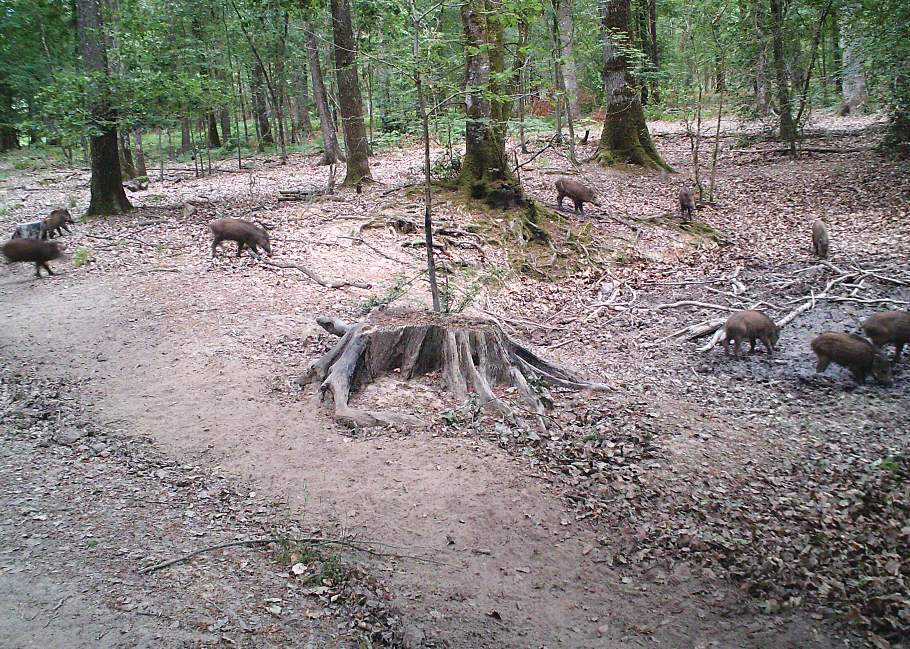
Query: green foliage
[[83, 256]]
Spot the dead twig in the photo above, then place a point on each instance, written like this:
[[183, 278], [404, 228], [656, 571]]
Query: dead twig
[[313, 276]]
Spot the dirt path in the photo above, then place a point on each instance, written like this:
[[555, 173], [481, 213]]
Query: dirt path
[[498, 561]]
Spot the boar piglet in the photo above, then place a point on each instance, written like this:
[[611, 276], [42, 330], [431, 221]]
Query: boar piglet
[[853, 352], [56, 223], [243, 232], [577, 192], [686, 203], [889, 327], [32, 250], [751, 326], [820, 239]]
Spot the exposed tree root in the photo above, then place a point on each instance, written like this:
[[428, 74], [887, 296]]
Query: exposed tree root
[[312, 275], [473, 355]]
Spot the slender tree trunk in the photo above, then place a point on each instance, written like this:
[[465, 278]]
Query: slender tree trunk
[[332, 153], [566, 41], [9, 135], [349, 98], [652, 31], [625, 136], [186, 139], [855, 94], [303, 123], [107, 194], [214, 140], [260, 108], [139, 153], [784, 103]]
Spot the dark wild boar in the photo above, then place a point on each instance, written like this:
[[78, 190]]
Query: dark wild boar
[[751, 326], [889, 327], [820, 239], [577, 192], [243, 232], [686, 203], [56, 223], [853, 352], [33, 250]]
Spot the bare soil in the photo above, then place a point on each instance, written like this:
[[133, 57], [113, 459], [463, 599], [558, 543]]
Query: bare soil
[[148, 408]]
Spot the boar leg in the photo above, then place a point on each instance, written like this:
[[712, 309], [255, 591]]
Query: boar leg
[[239, 247], [579, 207], [898, 348], [823, 363], [559, 198], [215, 244], [767, 343], [859, 375]]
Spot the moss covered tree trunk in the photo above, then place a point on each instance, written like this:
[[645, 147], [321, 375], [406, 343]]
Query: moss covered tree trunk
[[350, 99], [485, 172], [107, 194], [625, 135]]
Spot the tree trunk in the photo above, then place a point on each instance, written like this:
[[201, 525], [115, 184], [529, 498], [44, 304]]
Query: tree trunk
[[107, 193], [485, 172], [566, 31], [224, 116], [186, 138], [332, 154], [214, 140], [855, 94], [140, 154], [9, 135], [127, 168], [349, 98], [652, 32], [762, 85], [625, 136], [787, 127], [302, 121], [260, 108]]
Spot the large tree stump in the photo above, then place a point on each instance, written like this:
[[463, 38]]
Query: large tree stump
[[473, 355]]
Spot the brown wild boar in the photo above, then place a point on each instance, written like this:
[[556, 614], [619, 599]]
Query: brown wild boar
[[751, 326], [56, 223], [577, 192], [33, 250], [853, 352], [820, 239], [889, 327], [243, 232], [686, 203]]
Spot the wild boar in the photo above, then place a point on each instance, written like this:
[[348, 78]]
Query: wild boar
[[243, 232], [56, 223], [889, 327], [33, 250], [820, 239], [686, 203], [853, 352], [750, 325], [577, 192]]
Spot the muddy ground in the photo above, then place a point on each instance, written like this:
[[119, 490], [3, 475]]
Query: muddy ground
[[149, 408]]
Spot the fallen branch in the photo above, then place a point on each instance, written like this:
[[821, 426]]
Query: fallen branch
[[705, 305], [312, 275]]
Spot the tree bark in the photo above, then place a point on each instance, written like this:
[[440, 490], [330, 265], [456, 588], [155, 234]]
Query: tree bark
[[784, 102], [332, 154], [186, 138], [625, 136], [214, 140], [260, 108], [107, 193], [855, 94], [566, 41], [485, 172], [350, 100], [652, 32], [127, 168], [302, 123], [140, 154], [9, 135]]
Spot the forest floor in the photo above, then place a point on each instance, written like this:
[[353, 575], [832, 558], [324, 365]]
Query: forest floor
[[149, 408]]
